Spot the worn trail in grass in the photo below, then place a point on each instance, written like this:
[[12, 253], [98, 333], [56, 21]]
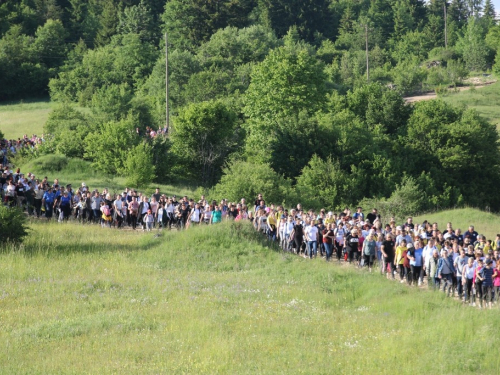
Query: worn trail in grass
[[217, 300]]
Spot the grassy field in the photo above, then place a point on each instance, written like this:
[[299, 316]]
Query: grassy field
[[484, 100], [216, 299], [24, 117], [484, 222]]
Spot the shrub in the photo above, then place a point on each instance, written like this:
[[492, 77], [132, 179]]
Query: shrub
[[50, 163], [407, 199], [13, 225], [140, 170], [243, 179]]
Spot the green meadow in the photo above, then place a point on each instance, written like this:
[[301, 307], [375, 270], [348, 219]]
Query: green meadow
[[86, 300], [24, 117], [484, 100], [484, 222]]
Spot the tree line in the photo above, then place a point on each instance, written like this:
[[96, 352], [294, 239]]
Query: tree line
[[268, 95]]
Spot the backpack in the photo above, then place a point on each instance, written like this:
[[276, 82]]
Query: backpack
[[106, 211]]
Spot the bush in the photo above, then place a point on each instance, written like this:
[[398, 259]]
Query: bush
[[407, 199], [50, 163], [243, 179], [13, 225], [140, 170]]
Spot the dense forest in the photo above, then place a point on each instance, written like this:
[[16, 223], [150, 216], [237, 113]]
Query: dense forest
[[265, 95]]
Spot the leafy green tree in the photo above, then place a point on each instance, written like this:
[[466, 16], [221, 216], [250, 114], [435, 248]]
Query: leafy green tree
[[244, 179], [207, 85], [472, 46], [376, 105], [125, 61], [413, 43], [139, 168], [20, 72], [181, 66], [203, 136], [493, 38], [191, 22], [49, 45], [108, 146], [112, 103], [288, 81], [47, 10], [68, 128], [408, 76], [162, 157], [450, 142], [311, 17], [137, 19], [324, 184], [296, 140]]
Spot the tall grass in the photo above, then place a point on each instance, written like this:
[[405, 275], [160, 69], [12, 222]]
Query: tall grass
[[217, 300]]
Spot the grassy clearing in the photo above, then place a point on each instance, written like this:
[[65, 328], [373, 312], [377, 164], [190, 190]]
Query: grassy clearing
[[484, 100], [484, 222], [24, 117], [216, 300]]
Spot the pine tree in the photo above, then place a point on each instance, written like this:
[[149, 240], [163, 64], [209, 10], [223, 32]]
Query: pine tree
[[489, 12], [108, 21]]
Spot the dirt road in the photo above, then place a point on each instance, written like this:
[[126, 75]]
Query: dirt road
[[432, 94]]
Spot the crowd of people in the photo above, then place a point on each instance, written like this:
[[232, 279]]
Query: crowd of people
[[466, 265], [13, 146]]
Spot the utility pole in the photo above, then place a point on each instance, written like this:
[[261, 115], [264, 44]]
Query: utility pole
[[166, 83], [445, 27], [367, 62]]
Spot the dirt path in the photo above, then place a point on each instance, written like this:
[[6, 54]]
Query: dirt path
[[432, 94]]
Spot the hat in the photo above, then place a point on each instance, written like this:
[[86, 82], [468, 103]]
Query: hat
[[283, 216], [83, 184], [489, 261], [409, 245], [398, 228]]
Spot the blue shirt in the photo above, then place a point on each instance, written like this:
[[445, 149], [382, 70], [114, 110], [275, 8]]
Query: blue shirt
[[417, 254], [65, 201], [49, 197]]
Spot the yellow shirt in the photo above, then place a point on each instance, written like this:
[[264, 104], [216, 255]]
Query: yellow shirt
[[271, 220], [399, 254], [329, 220]]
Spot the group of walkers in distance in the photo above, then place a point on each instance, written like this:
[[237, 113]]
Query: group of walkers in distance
[[463, 264], [13, 146]]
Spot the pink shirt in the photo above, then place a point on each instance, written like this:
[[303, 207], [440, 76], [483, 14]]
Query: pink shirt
[[496, 279]]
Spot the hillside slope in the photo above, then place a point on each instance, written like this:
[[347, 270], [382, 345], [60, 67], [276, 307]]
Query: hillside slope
[[218, 300], [484, 222]]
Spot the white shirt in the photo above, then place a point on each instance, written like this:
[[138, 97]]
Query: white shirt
[[340, 236], [311, 233], [118, 204], [195, 215], [469, 271]]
